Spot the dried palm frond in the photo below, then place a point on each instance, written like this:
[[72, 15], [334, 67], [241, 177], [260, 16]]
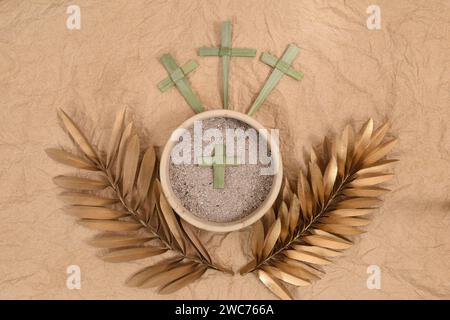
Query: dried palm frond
[[133, 213], [309, 229]]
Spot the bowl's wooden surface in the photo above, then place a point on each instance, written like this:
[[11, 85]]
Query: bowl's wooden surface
[[209, 225]]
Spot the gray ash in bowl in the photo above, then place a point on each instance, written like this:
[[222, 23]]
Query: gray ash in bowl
[[244, 190]]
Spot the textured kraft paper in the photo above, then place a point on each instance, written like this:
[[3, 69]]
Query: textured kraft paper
[[401, 73]]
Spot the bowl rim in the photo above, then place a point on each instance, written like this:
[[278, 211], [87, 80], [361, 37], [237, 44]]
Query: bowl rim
[[184, 213]]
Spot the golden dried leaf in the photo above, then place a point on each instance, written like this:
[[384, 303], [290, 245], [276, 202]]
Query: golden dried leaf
[[377, 167], [196, 241], [78, 183], [329, 176], [70, 159], [86, 199], [172, 222], [285, 276], [316, 182], [284, 219], [163, 228], [306, 197], [319, 232], [111, 241], [350, 147], [370, 179], [183, 281], [110, 225], [100, 213], [126, 135], [77, 136], [248, 267], [157, 190], [299, 269], [287, 192], [354, 222], [341, 150], [340, 229], [271, 238], [327, 242], [131, 254], [176, 272], [365, 192], [359, 203], [316, 270], [327, 149], [350, 212], [274, 285], [323, 252], [130, 163], [145, 173], [268, 219], [379, 152], [139, 278], [313, 155], [362, 140], [378, 136], [151, 205], [306, 257], [294, 214], [257, 239], [115, 137]]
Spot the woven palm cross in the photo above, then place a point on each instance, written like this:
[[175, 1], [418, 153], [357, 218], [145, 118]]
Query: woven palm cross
[[226, 52], [219, 161], [281, 67], [177, 78]]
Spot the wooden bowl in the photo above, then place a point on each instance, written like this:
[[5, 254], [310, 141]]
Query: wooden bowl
[[210, 225]]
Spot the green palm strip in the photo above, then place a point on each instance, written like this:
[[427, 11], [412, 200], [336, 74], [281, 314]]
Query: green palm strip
[[219, 161]]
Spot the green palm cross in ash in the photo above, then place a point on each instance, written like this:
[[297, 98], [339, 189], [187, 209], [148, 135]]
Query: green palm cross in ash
[[219, 161]]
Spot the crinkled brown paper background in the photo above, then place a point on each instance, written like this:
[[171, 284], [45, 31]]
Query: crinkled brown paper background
[[400, 72]]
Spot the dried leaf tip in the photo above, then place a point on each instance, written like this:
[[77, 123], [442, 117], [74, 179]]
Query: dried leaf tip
[[77, 136]]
